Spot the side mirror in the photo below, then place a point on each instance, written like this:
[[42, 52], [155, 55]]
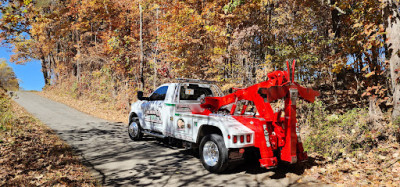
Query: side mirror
[[140, 95], [232, 89]]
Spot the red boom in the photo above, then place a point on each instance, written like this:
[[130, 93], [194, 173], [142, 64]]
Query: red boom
[[274, 132]]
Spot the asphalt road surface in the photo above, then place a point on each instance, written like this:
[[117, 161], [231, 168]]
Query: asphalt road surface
[[118, 161]]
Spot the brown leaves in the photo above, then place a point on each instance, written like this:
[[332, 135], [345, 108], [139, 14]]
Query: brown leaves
[[379, 167], [33, 155]]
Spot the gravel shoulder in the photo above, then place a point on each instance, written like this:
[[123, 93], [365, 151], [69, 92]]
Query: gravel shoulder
[[116, 160]]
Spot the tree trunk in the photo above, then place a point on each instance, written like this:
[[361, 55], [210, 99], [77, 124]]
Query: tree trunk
[[78, 63], [156, 53], [141, 48], [45, 72], [335, 20], [393, 30]]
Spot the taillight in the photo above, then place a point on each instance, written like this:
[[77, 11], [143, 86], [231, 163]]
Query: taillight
[[248, 138], [234, 139], [241, 139], [229, 136]]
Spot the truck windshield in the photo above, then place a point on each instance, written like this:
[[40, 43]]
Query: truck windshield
[[195, 92]]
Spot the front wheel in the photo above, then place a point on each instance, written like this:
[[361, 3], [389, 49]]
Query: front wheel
[[213, 153], [134, 130]]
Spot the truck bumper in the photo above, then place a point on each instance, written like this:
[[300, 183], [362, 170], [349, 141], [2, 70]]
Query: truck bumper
[[268, 163]]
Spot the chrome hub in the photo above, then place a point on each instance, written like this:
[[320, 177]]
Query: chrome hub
[[210, 153], [133, 129]]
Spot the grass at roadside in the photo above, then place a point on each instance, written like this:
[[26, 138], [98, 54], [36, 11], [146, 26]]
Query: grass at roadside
[[95, 108], [32, 155], [356, 148]]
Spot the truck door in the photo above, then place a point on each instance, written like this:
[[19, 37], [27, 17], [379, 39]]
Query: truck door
[[153, 114], [190, 96], [183, 120]]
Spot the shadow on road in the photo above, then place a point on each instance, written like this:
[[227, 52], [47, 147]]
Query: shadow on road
[[107, 149]]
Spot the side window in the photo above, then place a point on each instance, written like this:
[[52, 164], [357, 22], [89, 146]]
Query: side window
[[159, 94], [194, 92]]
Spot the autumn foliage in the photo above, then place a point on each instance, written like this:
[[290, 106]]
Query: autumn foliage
[[113, 48], [8, 80]]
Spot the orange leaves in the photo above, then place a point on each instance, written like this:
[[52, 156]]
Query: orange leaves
[[379, 92], [369, 74], [338, 67]]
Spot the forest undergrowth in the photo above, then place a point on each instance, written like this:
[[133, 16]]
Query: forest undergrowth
[[31, 154], [353, 148]]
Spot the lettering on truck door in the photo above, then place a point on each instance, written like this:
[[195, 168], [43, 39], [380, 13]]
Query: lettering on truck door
[[153, 115]]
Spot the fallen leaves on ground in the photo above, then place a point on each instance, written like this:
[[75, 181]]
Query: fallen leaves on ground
[[32, 155], [378, 167]]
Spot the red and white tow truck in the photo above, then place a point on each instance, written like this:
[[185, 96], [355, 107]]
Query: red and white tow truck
[[221, 127]]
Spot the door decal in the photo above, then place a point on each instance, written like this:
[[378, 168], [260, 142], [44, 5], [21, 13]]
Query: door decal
[[153, 116], [181, 124]]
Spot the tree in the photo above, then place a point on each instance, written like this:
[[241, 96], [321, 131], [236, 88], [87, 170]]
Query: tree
[[393, 40], [8, 80]]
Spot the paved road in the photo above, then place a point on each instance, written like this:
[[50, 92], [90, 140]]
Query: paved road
[[106, 149]]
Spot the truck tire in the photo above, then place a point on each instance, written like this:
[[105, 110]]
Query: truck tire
[[134, 130], [213, 153]]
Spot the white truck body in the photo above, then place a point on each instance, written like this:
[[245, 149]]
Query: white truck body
[[171, 115]]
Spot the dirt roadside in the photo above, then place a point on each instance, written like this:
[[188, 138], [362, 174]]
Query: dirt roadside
[[98, 109], [31, 154]]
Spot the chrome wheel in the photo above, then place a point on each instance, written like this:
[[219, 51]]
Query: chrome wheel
[[133, 129], [210, 153], [213, 153]]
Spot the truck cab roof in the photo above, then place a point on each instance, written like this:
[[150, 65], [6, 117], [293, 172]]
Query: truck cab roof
[[187, 91]]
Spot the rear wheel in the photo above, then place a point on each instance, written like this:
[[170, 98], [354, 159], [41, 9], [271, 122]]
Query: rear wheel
[[134, 130], [213, 153]]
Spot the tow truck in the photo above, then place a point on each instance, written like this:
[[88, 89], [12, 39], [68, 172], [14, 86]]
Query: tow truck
[[224, 127]]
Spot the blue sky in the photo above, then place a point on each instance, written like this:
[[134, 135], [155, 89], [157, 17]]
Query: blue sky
[[29, 75]]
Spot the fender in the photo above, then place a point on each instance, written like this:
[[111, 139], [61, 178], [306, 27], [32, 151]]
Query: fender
[[227, 127]]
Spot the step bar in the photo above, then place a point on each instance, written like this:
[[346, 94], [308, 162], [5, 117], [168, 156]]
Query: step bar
[[153, 134]]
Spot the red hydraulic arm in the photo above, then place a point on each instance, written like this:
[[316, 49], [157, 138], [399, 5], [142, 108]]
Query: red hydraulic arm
[[276, 132]]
